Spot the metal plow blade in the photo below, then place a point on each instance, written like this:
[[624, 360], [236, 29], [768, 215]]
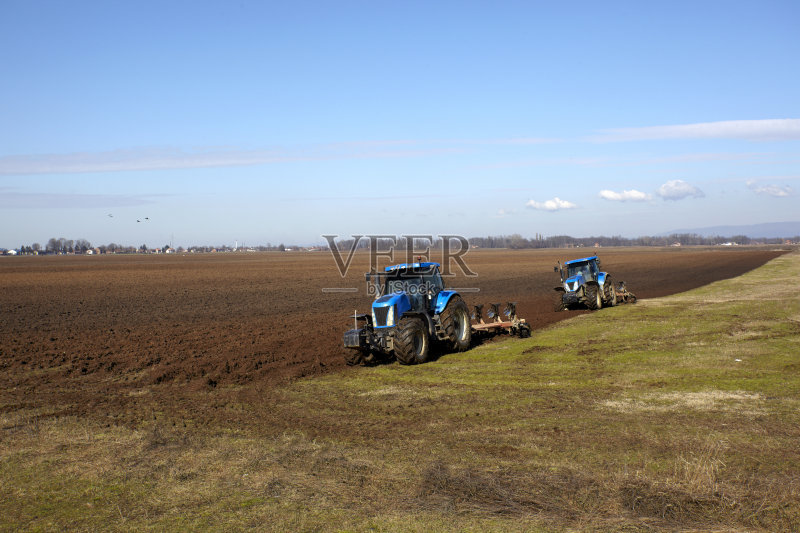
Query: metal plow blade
[[624, 296], [512, 325]]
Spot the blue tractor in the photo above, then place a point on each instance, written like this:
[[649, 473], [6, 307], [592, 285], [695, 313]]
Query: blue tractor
[[583, 284], [412, 309]]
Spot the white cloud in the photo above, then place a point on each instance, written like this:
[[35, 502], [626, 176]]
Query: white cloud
[[130, 160], [678, 190], [551, 205], [632, 195], [10, 199], [778, 191], [510, 141], [137, 159], [166, 158], [754, 130]]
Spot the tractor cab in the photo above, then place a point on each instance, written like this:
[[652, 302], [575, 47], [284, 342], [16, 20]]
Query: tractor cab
[[421, 279], [402, 288], [579, 271]]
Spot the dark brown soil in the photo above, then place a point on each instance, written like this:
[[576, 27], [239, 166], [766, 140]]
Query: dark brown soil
[[82, 334]]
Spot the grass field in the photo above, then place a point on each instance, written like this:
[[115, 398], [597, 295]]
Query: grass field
[[675, 413]]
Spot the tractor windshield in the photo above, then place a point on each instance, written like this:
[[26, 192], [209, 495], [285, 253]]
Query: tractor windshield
[[416, 281], [402, 284], [587, 269]]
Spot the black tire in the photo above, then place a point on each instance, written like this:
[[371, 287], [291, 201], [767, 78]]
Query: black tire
[[611, 292], [524, 331], [455, 323], [353, 357], [558, 303], [594, 300], [411, 343]]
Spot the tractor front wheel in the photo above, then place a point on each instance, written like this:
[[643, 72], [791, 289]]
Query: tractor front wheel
[[594, 299], [455, 323], [411, 341], [558, 303], [353, 357]]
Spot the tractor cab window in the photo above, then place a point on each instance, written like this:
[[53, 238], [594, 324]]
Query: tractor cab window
[[416, 282], [575, 269], [433, 280], [593, 270], [409, 283], [587, 270]]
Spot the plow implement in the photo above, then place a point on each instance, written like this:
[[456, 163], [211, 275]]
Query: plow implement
[[624, 296], [513, 325]]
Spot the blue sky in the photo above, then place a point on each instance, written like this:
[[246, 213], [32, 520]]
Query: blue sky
[[278, 122]]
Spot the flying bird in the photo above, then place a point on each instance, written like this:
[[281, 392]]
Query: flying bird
[[110, 215], [138, 221]]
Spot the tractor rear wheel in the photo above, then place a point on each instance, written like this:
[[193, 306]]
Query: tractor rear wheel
[[594, 299], [611, 292], [455, 323], [411, 341]]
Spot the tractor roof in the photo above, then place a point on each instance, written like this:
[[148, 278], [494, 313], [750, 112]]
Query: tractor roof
[[580, 260], [410, 266]]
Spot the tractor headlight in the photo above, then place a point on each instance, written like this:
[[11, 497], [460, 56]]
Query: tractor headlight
[[390, 316]]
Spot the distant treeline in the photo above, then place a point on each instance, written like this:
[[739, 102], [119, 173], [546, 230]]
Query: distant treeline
[[515, 241], [82, 246]]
